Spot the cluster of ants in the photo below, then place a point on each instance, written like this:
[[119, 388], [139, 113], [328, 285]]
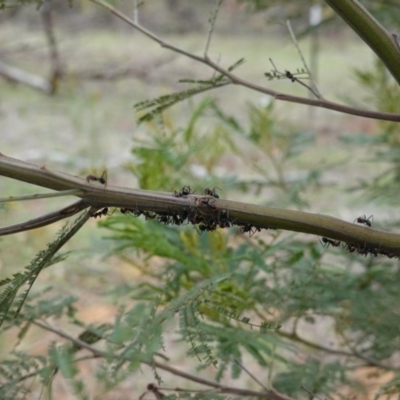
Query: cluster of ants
[[205, 222], [362, 250], [202, 221]]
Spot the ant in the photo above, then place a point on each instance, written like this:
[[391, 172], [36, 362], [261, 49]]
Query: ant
[[102, 179], [206, 202], [164, 218], [327, 242], [211, 192], [250, 228], [364, 220], [185, 191], [100, 213], [290, 76], [223, 219], [136, 213], [351, 248]]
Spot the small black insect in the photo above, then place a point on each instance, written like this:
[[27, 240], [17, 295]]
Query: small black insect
[[251, 229], [102, 178], [130, 211], [364, 220], [100, 213], [211, 192], [327, 242], [185, 191], [290, 76], [164, 218], [205, 201], [350, 247]]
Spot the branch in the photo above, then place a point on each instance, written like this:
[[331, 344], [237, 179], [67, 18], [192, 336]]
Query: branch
[[269, 395], [322, 103], [369, 362], [205, 208], [45, 219], [371, 32]]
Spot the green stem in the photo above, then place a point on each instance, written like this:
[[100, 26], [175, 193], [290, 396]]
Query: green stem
[[371, 32]]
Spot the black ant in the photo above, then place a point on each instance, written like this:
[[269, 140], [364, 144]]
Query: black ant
[[185, 191], [350, 248], [136, 213], [164, 218], [178, 219], [206, 202], [102, 179], [327, 242], [211, 192], [149, 215], [100, 213], [250, 229], [223, 219], [290, 76], [364, 220]]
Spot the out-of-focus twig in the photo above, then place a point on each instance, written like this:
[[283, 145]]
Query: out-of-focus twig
[[268, 395], [45, 219], [48, 23], [242, 82], [17, 75]]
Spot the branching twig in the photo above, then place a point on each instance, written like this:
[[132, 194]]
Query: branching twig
[[212, 21], [370, 362], [312, 395], [239, 81], [313, 87], [72, 192], [269, 395], [250, 374], [293, 78], [45, 219], [54, 56]]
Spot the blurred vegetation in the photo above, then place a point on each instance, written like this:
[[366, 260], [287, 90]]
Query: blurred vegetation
[[301, 317]]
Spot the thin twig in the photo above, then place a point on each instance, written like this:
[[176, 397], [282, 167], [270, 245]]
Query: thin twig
[[322, 103], [48, 23], [310, 393], [314, 87], [45, 219], [396, 41], [269, 395], [294, 79], [294, 336], [70, 192], [250, 374], [135, 11], [212, 21]]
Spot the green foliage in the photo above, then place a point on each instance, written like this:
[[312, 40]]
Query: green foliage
[[382, 148], [157, 106], [44, 259], [161, 160], [224, 297]]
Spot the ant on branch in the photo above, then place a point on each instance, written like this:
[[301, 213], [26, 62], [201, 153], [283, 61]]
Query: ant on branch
[[102, 178], [100, 213], [251, 229], [327, 242], [290, 76], [364, 220], [185, 191], [211, 192], [130, 211]]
